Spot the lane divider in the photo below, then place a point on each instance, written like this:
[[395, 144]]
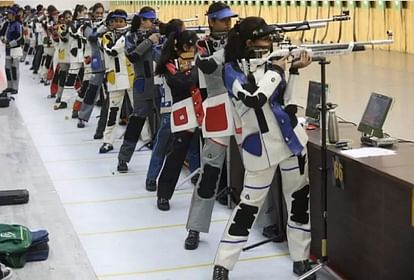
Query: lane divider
[[133, 230], [187, 267], [120, 199], [112, 156], [114, 174]]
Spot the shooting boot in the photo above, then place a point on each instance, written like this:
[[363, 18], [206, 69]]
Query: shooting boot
[[163, 204], [192, 240], [122, 166], [301, 267], [150, 185], [105, 148], [220, 273]]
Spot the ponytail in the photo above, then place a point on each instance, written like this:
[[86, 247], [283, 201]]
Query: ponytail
[[168, 53], [78, 8], [76, 12], [135, 23], [233, 49]]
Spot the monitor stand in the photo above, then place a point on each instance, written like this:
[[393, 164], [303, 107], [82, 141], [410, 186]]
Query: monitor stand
[[373, 141]]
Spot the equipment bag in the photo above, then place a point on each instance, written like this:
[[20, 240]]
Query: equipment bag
[[39, 250], [38, 253], [15, 241], [5, 100]]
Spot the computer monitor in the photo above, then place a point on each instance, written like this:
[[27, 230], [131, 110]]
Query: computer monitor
[[374, 115], [314, 99]]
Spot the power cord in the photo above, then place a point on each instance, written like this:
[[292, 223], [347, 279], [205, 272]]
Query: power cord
[[342, 120], [400, 140]]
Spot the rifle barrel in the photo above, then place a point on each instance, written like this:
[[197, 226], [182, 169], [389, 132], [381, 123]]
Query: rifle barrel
[[308, 24], [376, 42], [191, 19], [301, 26], [198, 28], [339, 46]]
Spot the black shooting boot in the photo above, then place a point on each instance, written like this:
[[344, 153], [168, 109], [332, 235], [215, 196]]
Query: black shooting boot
[[98, 135], [301, 267], [150, 185], [81, 123], [122, 166], [75, 114], [163, 204], [192, 240], [220, 273], [273, 232], [105, 148]]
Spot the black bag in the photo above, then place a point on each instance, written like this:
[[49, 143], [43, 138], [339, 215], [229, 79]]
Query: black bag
[[38, 253], [14, 197], [5, 100], [39, 250]]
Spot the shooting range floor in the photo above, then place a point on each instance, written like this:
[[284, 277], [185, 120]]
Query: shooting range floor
[[99, 220], [105, 223]]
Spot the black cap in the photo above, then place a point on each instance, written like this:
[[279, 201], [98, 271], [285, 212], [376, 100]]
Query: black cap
[[262, 30]]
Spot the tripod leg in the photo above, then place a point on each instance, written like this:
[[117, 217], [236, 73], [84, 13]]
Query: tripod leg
[[188, 178], [260, 243], [230, 194], [312, 271]]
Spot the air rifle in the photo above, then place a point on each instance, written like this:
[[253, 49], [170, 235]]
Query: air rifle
[[309, 24], [316, 51]]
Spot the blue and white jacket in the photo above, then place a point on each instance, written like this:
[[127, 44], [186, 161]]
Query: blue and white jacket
[[14, 36], [269, 133]]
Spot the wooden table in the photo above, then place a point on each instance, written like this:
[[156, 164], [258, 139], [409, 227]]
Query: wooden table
[[370, 219]]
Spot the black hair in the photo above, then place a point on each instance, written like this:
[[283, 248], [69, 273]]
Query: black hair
[[39, 7], [135, 23], [66, 12], [19, 17], [97, 6], [238, 36], [175, 43], [50, 10], [78, 9], [108, 17], [174, 25]]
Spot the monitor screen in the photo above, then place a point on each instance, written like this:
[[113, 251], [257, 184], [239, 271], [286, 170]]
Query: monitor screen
[[375, 114], [314, 99]]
